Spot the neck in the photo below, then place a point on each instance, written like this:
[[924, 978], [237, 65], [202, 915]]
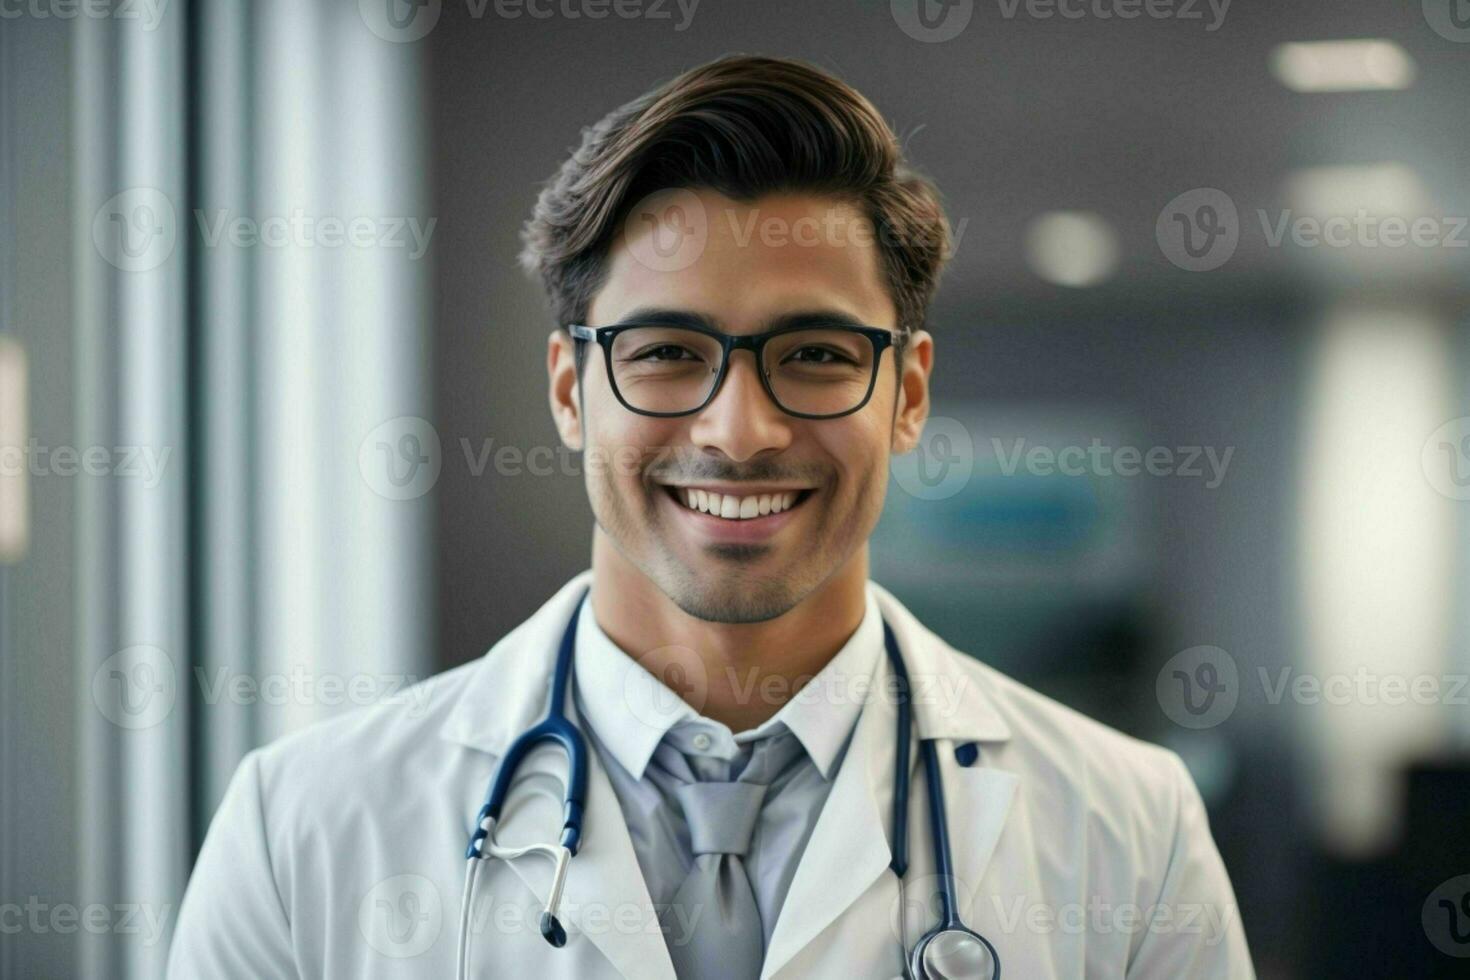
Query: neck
[[752, 669]]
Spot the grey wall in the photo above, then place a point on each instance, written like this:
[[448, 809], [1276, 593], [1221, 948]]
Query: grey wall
[[38, 787]]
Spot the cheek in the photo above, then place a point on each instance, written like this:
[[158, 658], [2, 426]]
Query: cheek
[[860, 452], [622, 446]]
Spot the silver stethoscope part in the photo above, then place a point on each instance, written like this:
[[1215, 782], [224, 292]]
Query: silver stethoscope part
[[551, 928], [560, 857], [952, 954], [943, 954]]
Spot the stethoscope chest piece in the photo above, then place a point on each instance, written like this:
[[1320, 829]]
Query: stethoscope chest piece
[[954, 954]]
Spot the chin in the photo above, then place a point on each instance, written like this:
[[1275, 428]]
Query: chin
[[717, 597]]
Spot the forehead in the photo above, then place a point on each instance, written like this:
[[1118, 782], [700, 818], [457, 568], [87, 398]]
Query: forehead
[[744, 263]]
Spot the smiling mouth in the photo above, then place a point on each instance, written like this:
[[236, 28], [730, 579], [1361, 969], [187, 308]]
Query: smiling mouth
[[735, 507]]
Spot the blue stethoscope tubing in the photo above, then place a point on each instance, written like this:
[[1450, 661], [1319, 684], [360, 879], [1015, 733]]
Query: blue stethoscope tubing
[[557, 728], [949, 910]]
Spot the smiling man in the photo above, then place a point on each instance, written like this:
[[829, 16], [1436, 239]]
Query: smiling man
[[777, 771]]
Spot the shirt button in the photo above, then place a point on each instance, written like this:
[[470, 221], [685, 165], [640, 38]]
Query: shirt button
[[702, 741]]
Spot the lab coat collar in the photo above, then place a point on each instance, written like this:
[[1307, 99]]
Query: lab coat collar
[[507, 691], [631, 710]]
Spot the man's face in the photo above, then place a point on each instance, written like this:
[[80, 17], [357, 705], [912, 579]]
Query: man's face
[[748, 267]]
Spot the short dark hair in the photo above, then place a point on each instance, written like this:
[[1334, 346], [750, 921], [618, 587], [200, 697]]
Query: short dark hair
[[744, 126]]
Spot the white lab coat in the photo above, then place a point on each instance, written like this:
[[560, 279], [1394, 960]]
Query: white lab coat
[[338, 851]]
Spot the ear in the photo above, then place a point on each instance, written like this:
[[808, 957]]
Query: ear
[[913, 393], [561, 375]]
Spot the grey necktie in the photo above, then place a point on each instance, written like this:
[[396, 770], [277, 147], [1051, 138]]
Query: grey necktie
[[717, 931]]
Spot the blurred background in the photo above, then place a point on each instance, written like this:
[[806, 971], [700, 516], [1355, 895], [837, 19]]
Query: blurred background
[[274, 439]]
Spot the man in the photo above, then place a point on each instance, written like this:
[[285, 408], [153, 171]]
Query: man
[[739, 265]]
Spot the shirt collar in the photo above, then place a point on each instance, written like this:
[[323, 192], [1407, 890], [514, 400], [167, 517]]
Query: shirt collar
[[632, 711]]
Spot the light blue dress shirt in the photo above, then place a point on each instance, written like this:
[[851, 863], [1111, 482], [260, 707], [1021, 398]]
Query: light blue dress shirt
[[627, 712]]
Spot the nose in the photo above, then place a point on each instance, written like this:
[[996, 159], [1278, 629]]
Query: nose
[[741, 421]]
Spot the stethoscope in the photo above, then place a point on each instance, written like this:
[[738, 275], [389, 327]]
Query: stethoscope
[[949, 951]]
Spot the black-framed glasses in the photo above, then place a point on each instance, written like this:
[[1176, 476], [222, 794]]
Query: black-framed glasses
[[811, 372]]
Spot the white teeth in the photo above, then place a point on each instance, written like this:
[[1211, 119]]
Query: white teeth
[[732, 507]]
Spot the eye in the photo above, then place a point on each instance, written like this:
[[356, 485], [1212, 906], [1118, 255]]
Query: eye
[[662, 352], [821, 353]]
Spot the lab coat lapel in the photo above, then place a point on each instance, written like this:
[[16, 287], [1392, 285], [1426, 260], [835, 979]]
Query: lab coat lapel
[[978, 801], [952, 707], [606, 899], [848, 848]]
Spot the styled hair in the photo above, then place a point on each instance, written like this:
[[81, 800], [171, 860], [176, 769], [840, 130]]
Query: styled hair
[[743, 126]]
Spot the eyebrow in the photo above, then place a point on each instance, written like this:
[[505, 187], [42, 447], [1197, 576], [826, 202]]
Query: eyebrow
[[673, 317]]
